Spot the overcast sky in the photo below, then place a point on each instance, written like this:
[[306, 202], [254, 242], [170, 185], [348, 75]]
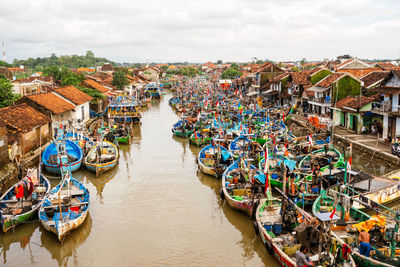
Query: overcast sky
[[202, 30]]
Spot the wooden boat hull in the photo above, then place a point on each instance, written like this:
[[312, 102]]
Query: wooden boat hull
[[67, 227], [101, 168], [281, 257], [206, 169], [9, 222], [72, 149]]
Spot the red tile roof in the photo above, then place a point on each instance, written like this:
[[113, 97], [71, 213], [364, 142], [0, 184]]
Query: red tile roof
[[328, 80], [359, 72], [73, 94], [95, 85], [47, 79], [23, 118], [51, 102], [301, 77], [354, 102], [374, 77]]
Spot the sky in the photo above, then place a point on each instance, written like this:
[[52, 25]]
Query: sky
[[202, 30]]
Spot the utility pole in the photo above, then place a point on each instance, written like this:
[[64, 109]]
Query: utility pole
[[4, 51]]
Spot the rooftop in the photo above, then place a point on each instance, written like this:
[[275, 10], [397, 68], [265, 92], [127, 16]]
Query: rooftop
[[51, 102], [73, 94]]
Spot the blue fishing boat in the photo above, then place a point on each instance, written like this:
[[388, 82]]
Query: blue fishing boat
[[61, 146], [214, 159], [242, 186], [237, 146], [152, 90], [66, 207]]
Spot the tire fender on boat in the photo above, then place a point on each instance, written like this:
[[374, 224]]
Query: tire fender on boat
[[269, 248], [221, 193], [254, 209], [256, 230]]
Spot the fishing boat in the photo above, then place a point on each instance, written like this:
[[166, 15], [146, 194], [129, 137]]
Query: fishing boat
[[347, 222], [102, 157], [15, 211], [213, 160], [152, 90], [66, 207], [183, 129], [50, 156], [284, 228], [237, 146], [243, 186], [124, 109], [201, 138]]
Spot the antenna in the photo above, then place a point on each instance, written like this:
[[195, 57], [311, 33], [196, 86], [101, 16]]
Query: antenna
[[4, 51]]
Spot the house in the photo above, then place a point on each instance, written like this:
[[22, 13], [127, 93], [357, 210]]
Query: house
[[330, 89], [32, 85], [50, 104], [385, 65], [27, 128], [350, 112], [266, 73], [356, 67], [6, 72], [3, 143], [374, 79], [387, 107], [152, 73], [79, 99], [107, 67]]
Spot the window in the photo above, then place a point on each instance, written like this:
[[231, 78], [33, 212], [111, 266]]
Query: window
[[83, 113]]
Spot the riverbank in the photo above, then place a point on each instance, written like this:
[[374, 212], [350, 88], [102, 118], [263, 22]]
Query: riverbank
[[375, 147]]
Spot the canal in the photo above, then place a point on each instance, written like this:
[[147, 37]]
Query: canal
[[154, 209]]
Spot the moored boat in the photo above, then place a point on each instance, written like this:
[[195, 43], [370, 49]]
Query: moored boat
[[15, 207], [102, 157], [66, 207]]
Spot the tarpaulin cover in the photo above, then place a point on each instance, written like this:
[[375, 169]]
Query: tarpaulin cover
[[369, 224], [260, 177], [225, 155]]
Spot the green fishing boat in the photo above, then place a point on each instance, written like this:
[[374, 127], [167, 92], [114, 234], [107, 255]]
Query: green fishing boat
[[347, 221]]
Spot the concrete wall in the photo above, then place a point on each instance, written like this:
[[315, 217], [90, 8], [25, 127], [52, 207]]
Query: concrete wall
[[77, 115], [35, 138]]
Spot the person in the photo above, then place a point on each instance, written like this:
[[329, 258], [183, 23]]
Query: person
[[364, 130], [365, 247], [301, 257]]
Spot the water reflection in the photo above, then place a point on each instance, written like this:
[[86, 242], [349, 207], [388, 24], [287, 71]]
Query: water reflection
[[62, 253], [21, 235], [100, 182]]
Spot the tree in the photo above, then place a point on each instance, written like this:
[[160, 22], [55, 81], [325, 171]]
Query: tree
[[164, 67], [6, 95], [235, 66], [219, 62], [189, 71], [71, 80], [120, 80], [4, 64], [231, 73]]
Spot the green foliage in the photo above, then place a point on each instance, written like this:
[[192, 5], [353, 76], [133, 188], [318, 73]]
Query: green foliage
[[234, 66], [219, 62], [319, 76], [64, 75], [5, 64], [119, 79], [231, 73], [189, 71], [295, 69], [2, 76], [6, 95], [74, 61], [164, 67], [347, 86], [92, 92]]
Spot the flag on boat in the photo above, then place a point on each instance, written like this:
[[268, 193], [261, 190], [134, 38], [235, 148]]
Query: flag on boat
[[310, 139], [266, 167], [240, 107], [349, 161], [333, 213]]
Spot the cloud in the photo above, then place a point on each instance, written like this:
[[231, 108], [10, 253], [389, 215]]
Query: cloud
[[198, 31]]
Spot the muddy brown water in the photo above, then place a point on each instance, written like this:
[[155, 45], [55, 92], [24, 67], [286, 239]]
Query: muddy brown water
[[154, 209]]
